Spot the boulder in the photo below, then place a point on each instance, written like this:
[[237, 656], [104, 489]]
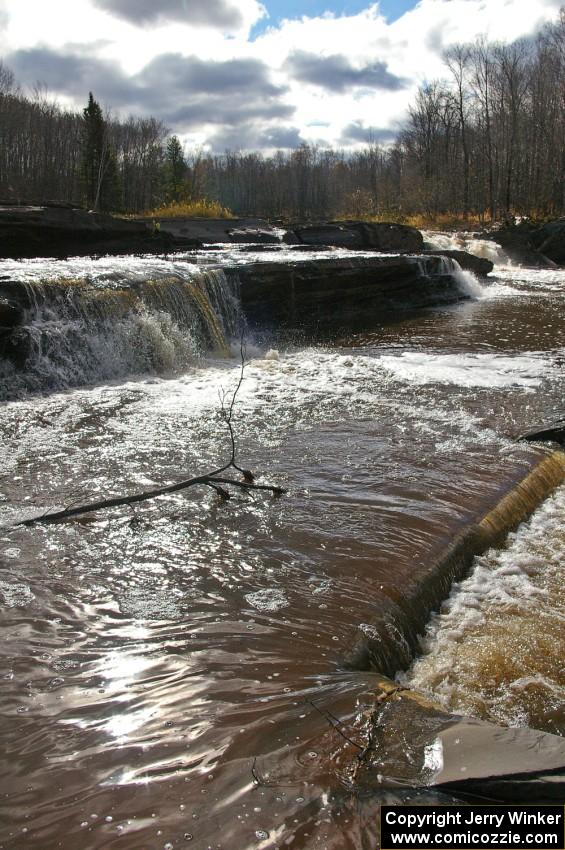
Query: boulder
[[322, 235], [323, 292], [416, 743], [549, 240], [553, 432], [195, 232], [389, 237], [10, 314], [254, 235], [37, 231], [529, 244], [478, 265], [384, 237]]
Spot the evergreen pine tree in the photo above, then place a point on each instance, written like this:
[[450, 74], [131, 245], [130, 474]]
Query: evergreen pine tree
[[175, 170], [99, 166]]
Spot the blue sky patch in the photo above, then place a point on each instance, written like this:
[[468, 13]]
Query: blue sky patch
[[280, 9]]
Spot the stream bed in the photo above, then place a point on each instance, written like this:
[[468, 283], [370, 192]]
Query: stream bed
[[167, 671]]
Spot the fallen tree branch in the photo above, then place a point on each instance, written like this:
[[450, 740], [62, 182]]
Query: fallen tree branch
[[207, 480], [212, 479]]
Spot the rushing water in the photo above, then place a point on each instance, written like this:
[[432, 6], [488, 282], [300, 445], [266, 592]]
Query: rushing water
[[165, 669], [486, 248]]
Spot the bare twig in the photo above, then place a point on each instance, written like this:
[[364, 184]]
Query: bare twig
[[212, 479], [264, 783], [227, 412], [330, 718], [256, 778]]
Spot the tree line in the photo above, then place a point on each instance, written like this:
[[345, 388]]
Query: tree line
[[487, 140], [84, 158]]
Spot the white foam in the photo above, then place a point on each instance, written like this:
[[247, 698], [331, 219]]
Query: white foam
[[462, 241], [15, 595], [433, 757], [467, 370], [269, 599], [476, 651], [469, 284]]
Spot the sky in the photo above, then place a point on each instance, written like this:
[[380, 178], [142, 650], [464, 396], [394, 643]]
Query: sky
[[250, 75]]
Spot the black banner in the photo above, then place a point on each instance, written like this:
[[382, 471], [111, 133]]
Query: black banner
[[468, 827]]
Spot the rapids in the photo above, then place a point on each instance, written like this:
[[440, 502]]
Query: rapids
[[461, 241], [164, 669]]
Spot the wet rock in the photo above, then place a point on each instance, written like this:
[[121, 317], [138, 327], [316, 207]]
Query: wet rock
[[417, 743], [195, 232], [320, 235], [60, 231], [377, 236], [10, 314], [469, 262], [254, 235], [392, 638], [384, 236], [549, 240], [325, 291], [529, 244], [554, 432], [38, 231]]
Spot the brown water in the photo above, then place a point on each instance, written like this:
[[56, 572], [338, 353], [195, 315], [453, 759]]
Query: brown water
[[165, 672]]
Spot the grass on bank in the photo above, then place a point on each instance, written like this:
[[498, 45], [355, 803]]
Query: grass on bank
[[423, 221], [201, 208]]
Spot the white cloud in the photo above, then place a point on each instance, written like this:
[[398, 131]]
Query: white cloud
[[352, 49]]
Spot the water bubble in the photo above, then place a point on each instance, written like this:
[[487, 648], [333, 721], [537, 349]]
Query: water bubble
[[108, 818], [168, 846], [83, 824], [188, 836], [300, 799], [261, 834]]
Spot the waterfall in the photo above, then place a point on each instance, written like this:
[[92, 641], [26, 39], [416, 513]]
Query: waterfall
[[466, 281], [77, 330], [461, 241]]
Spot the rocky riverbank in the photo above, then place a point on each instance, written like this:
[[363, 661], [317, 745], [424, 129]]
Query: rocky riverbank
[[61, 231], [533, 244], [308, 292], [328, 290], [44, 231], [56, 230]]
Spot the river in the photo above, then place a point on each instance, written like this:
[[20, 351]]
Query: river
[[166, 670]]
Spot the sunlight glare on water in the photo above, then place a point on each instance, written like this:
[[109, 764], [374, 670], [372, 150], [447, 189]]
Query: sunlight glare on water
[[159, 659]]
